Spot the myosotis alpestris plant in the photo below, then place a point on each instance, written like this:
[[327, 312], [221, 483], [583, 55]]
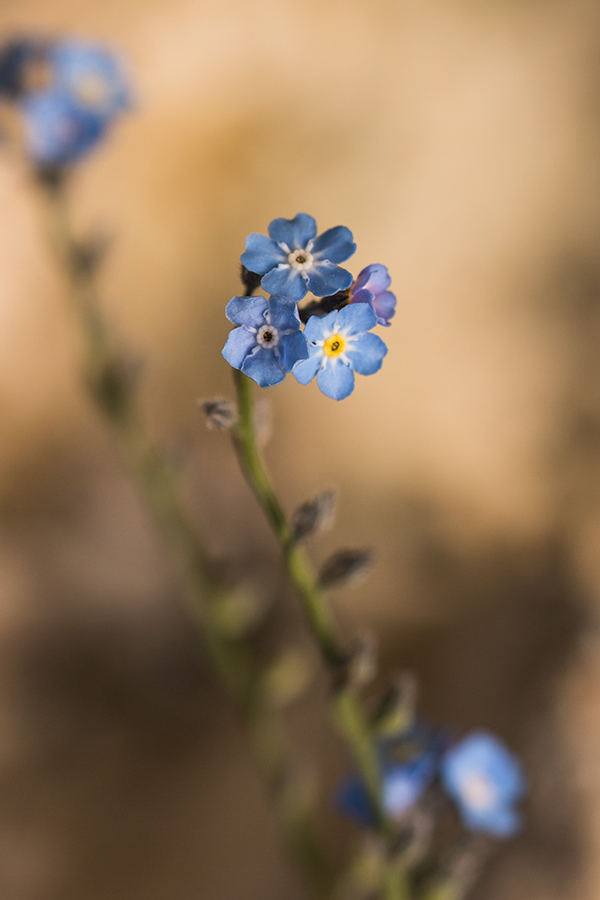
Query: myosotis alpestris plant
[[410, 778]]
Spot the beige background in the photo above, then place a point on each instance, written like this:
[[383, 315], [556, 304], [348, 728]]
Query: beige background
[[459, 142]]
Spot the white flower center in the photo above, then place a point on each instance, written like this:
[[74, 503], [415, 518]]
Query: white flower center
[[301, 260], [267, 336], [478, 791], [92, 90]]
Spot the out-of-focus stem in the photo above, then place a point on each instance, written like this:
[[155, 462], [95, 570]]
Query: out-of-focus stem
[[114, 394], [348, 713]]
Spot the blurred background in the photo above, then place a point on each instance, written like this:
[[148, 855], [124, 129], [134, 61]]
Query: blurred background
[[459, 141]]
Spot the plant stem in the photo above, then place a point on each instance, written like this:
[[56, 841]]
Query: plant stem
[[113, 391], [348, 713]]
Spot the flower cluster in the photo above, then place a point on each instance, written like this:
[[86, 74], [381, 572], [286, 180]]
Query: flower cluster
[[67, 91], [478, 773], [269, 342]]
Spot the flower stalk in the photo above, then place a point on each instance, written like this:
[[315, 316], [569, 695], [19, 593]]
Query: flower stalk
[[348, 714], [113, 391]]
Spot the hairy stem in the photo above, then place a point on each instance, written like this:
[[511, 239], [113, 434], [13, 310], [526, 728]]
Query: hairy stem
[[113, 391], [348, 713]]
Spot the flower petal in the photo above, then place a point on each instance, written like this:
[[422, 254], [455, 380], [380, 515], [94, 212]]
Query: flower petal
[[238, 345], [385, 307], [336, 380], [285, 280], [261, 254], [334, 245], [319, 327], [356, 318], [264, 367], [325, 279], [247, 311], [366, 354], [296, 232], [375, 278], [305, 370], [292, 348], [283, 313]]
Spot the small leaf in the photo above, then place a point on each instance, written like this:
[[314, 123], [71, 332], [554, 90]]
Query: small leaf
[[313, 516], [220, 414], [344, 567]]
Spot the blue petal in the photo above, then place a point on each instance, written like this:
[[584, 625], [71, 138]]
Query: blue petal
[[334, 245], [385, 307], [247, 311], [292, 347], [285, 280], [356, 318], [319, 327], [283, 313], [353, 801], [502, 822], [305, 371], [264, 367], [261, 254], [239, 344], [366, 354], [296, 232], [336, 380], [325, 279], [375, 278], [56, 131]]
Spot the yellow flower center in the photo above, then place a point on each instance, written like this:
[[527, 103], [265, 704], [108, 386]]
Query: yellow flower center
[[334, 345]]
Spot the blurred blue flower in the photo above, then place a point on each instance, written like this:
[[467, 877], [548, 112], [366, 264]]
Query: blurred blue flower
[[339, 346], [57, 132], [69, 91], [403, 785], [371, 286], [486, 781], [293, 260], [90, 75], [268, 340]]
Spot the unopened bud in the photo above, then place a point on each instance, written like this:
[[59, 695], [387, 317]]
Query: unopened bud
[[220, 414], [344, 567], [313, 516], [396, 713], [362, 664], [238, 612]]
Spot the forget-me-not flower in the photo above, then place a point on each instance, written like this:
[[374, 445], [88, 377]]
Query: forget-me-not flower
[[293, 260], [402, 786], [68, 91], [268, 340], [486, 781], [339, 345], [371, 286]]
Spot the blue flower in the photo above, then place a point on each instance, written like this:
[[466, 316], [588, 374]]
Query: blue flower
[[268, 340], [91, 76], [68, 91], [486, 781], [56, 131], [293, 260], [371, 286], [402, 786], [339, 346]]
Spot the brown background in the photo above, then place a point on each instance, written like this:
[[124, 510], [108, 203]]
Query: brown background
[[459, 141]]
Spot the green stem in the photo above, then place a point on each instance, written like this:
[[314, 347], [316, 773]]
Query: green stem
[[113, 393], [348, 713]]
